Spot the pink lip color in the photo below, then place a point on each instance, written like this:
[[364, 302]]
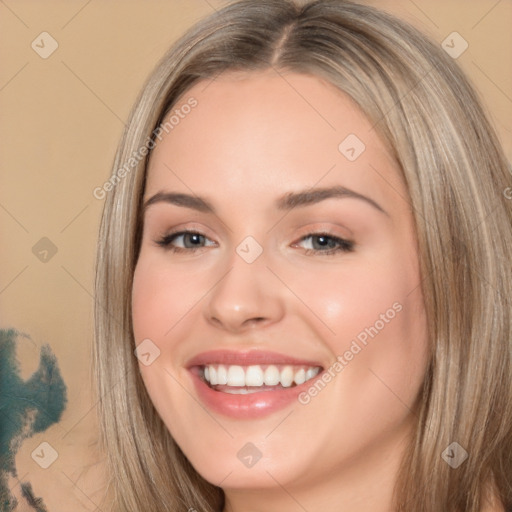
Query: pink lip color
[[252, 405], [246, 358]]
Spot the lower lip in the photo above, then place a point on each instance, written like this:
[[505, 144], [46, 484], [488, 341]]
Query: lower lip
[[251, 405]]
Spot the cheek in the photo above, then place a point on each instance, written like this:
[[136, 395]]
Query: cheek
[[374, 310], [160, 300], [359, 293], [161, 296]]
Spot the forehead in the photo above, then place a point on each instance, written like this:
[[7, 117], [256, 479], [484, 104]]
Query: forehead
[[263, 131]]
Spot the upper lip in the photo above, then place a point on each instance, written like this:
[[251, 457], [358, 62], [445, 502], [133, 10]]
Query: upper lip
[[247, 358]]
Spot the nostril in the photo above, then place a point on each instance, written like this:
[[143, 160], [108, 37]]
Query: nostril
[[258, 319]]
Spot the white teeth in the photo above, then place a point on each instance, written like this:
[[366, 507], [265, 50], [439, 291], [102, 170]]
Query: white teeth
[[256, 376], [213, 375], [272, 376], [240, 391], [286, 376], [236, 376], [312, 372], [222, 375], [300, 377]]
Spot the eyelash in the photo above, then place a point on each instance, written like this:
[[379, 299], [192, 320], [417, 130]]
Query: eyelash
[[344, 246]]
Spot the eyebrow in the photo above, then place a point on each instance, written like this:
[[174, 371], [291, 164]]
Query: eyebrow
[[180, 199], [312, 196], [287, 202]]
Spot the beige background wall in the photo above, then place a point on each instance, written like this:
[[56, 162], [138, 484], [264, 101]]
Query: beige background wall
[[60, 121]]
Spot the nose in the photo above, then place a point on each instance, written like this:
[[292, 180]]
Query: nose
[[246, 297]]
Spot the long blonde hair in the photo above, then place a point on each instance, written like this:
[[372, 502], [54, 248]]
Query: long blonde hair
[[423, 107]]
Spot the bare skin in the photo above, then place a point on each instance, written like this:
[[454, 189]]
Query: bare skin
[[251, 139]]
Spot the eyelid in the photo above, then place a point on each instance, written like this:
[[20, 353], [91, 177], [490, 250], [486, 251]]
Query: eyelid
[[343, 245], [329, 229], [183, 227], [166, 239]]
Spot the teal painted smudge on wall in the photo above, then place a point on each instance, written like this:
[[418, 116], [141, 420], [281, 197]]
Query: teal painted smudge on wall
[[27, 407]]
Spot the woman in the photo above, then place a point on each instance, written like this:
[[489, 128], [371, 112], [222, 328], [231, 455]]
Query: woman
[[305, 245]]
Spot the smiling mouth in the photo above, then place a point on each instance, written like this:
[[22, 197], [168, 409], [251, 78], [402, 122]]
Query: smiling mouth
[[236, 379]]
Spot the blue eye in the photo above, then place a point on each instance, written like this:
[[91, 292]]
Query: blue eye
[[190, 241], [323, 243], [319, 243]]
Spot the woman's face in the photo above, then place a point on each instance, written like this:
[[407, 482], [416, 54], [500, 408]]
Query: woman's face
[[302, 259]]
